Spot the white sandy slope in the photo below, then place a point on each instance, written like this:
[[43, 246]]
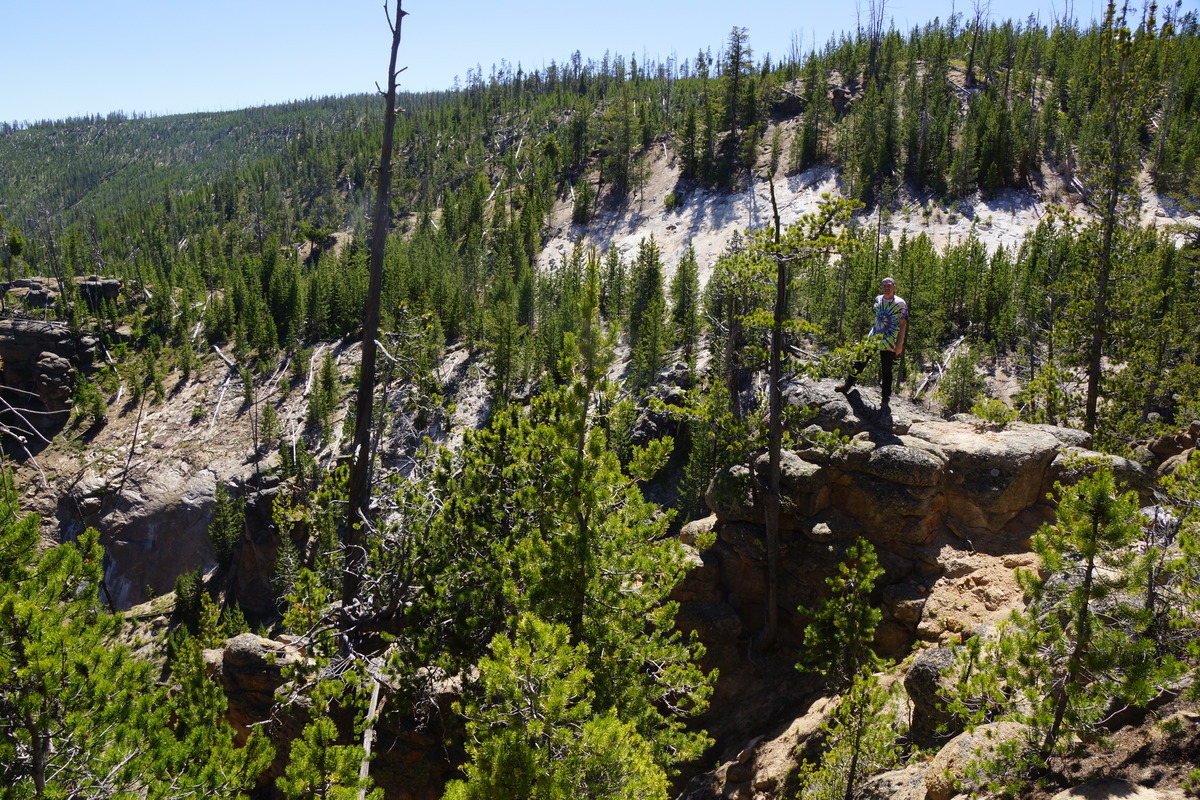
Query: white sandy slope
[[708, 219]]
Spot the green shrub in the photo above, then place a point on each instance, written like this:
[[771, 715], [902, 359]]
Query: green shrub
[[962, 385], [994, 411], [188, 588]]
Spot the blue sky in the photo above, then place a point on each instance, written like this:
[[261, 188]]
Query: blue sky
[[63, 58]]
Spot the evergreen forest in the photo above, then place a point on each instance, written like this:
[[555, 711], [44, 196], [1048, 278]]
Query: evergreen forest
[[530, 568]]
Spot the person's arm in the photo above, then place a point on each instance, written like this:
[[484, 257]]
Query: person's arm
[[900, 338]]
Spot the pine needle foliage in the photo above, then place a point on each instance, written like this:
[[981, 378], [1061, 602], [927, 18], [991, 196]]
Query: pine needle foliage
[[838, 640], [535, 735], [861, 734]]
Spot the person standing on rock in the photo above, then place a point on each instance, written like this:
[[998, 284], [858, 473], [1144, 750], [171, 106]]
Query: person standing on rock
[[891, 324]]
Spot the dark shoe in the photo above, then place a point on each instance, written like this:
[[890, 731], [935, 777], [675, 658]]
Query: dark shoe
[[845, 385]]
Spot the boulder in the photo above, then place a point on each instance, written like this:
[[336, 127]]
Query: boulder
[[946, 775], [1073, 463], [250, 669], [899, 784], [655, 420], [905, 464], [693, 531], [1115, 789], [926, 684], [905, 601], [901, 488], [804, 487], [37, 295], [824, 406], [762, 766], [1173, 463], [1070, 437], [786, 102], [732, 496]]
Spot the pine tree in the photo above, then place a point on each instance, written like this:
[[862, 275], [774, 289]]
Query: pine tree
[[612, 287], [813, 235], [838, 640], [685, 303], [1082, 643], [736, 67], [1090, 640], [228, 524], [715, 437], [862, 735], [806, 145], [538, 518], [533, 734], [1111, 153], [688, 146], [503, 334], [649, 338], [838, 644], [1180, 576], [961, 385], [321, 768]]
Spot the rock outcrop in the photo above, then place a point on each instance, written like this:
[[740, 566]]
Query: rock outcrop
[[250, 669], [925, 684], [1167, 453], [253, 673], [37, 366], [153, 522], [950, 506], [96, 290], [900, 784]]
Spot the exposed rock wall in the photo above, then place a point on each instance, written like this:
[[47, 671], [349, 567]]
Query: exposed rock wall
[[154, 520], [37, 363], [950, 506]]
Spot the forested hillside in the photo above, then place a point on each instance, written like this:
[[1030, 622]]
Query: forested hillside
[[214, 203], [526, 566]]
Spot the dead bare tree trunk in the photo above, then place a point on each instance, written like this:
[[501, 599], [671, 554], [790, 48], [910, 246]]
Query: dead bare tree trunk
[[359, 490], [775, 439]]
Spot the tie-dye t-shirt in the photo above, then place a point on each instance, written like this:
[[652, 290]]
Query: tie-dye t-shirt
[[888, 314]]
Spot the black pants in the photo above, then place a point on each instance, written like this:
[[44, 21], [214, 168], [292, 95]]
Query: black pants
[[887, 360]]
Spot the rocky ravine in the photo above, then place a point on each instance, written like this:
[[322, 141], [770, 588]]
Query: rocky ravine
[[950, 507]]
